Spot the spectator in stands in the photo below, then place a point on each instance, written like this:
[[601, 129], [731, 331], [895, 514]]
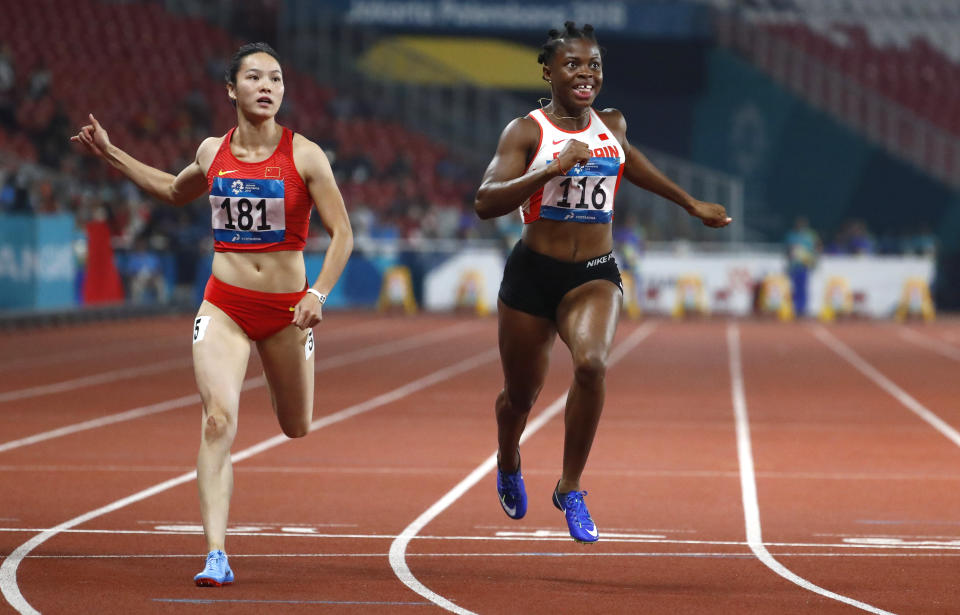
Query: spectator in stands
[[923, 242], [39, 82], [144, 274], [16, 194], [8, 82], [859, 239], [628, 239], [803, 249]]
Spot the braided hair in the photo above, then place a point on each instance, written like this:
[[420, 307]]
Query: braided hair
[[556, 38]]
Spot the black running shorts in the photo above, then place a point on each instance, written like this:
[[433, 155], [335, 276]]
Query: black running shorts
[[535, 283]]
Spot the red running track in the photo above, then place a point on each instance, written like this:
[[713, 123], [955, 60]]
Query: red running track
[[740, 467]]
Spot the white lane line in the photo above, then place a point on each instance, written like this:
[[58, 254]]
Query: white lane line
[[251, 383], [160, 366], [110, 419], [94, 379], [584, 553], [817, 476], [748, 483], [138, 345], [8, 569], [851, 544], [398, 548], [101, 350], [939, 346], [886, 384]]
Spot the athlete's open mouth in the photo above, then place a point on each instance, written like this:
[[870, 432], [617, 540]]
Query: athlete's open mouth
[[265, 99], [583, 90]]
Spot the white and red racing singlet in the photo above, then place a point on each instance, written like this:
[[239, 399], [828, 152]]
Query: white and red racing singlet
[[584, 193]]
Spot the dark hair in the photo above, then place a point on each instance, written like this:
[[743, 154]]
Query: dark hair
[[555, 39], [231, 75]]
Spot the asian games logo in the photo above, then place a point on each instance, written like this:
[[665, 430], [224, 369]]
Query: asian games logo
[[237, 186]]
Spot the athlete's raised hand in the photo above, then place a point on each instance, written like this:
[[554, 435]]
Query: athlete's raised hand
[[573, 153], [711, 214], [93, 137]]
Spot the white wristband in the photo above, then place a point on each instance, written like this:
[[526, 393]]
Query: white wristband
[[322, 297]]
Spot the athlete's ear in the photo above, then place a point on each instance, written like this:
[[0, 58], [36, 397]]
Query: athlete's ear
[[546, 75]]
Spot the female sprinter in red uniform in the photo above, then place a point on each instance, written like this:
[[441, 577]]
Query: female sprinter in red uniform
[[263, 180], [561, 165]]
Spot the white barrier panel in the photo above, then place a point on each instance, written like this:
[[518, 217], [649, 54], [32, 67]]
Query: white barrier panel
[[728, 280], [442, 284], [876, 282]]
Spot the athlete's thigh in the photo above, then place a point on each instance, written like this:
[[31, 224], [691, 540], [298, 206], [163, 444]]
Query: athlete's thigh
[[287, 358], [525, 342], [220, 353], [587, 317]]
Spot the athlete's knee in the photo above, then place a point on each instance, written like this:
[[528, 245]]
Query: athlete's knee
[[590, 369], [296, 429], [294, 420], [217, 425], [517, 402]]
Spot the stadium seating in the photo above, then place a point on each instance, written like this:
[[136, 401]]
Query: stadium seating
[[154, 79], [906, 50]]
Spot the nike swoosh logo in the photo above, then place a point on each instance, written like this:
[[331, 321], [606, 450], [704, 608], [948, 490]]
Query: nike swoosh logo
[[510, 511], [593, 532], [222, 172], [560, 141]]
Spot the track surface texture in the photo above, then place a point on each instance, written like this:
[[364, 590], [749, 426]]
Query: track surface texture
[[740, 467]]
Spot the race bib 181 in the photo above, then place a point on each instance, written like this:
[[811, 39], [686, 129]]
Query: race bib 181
[[247, 211]]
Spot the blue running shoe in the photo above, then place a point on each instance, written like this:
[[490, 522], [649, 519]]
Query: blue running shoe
[[582, 527], [217, 571], [513, 495]]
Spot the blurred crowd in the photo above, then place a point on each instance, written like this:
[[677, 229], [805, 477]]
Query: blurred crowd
[[397, 185]]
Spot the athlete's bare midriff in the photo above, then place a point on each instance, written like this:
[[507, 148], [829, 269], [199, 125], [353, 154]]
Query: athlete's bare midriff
[[568, 241], [268, 272]]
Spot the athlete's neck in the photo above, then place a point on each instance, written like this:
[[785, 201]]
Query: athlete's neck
[[256, 138], [570, 119]]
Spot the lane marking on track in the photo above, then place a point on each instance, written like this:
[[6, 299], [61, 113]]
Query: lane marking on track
[[704, 554], [886, 384], [908, 521], [591, 553], [249, 384], [99, 351], [939, 346], [849, 544], [818, 476], [94, 379], [8, 568], [248, 601], [135, 345], [398, 548], [171, 364], [748, 483]]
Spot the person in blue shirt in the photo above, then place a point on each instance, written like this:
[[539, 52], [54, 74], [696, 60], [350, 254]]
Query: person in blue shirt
[[803, 248]]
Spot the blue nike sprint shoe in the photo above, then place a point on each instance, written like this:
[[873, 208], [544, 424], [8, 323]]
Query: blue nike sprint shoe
[[217, 571], [582, 527], [513, 495]]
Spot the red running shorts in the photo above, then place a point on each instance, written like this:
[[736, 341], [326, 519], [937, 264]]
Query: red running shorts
[[259, 314]]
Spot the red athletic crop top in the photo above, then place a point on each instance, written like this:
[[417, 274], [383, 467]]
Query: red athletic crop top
[[258, 206]]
